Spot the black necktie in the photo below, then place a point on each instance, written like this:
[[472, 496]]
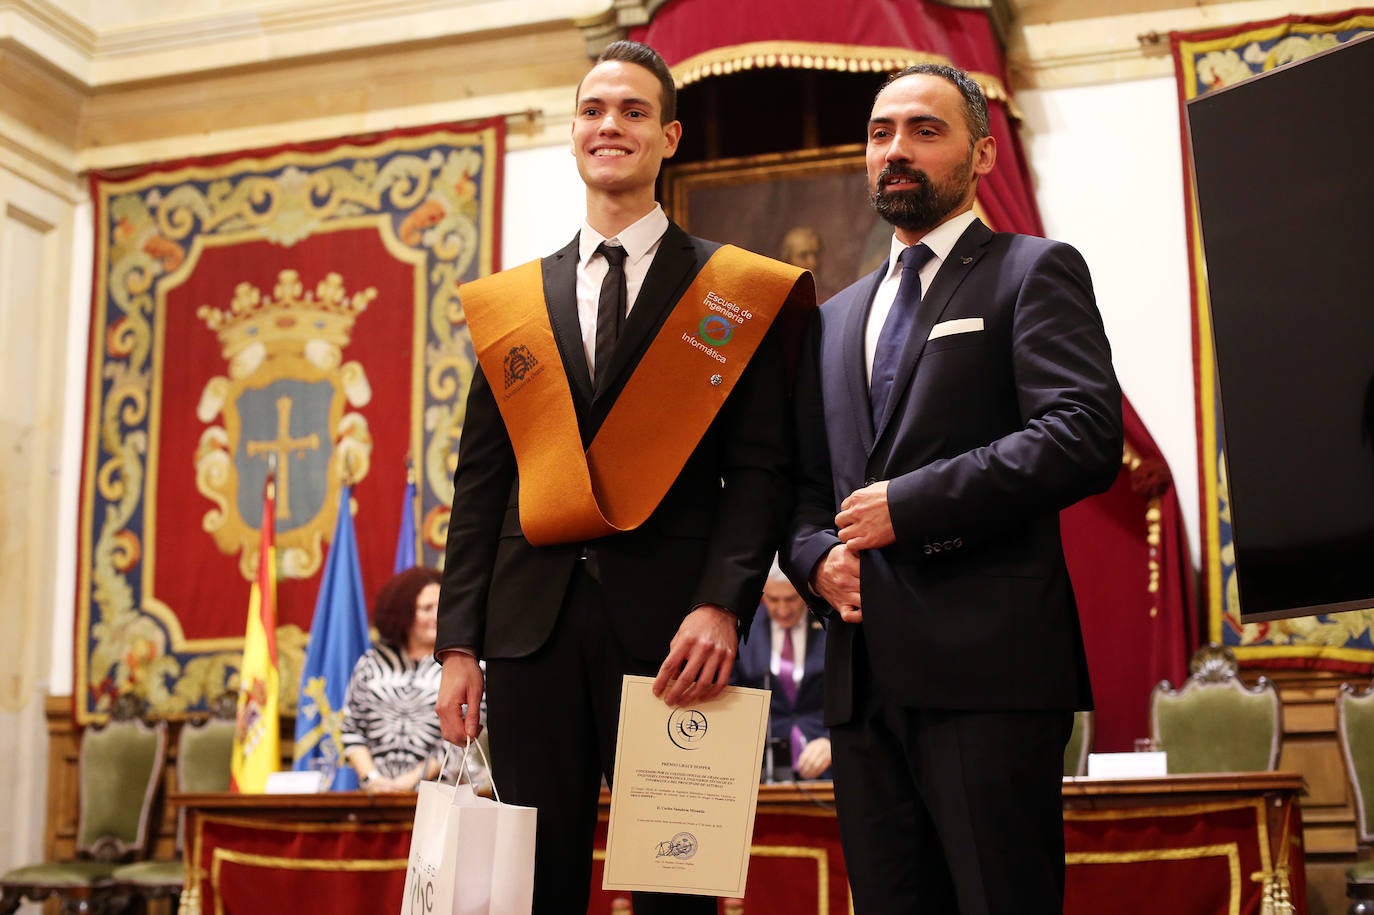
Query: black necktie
[[610, 313], [896, 328]]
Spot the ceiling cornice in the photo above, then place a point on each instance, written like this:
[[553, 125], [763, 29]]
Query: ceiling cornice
[[99, 58]]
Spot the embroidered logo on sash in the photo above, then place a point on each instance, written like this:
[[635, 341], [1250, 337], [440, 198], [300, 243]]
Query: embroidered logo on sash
[[518, 365], [718, 327], [715, 330]]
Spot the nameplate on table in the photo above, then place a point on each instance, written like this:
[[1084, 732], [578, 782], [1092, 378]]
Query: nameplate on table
[[1127, 765]]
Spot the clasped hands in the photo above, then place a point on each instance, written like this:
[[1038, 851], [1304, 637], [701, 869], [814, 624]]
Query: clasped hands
[[864, 523]]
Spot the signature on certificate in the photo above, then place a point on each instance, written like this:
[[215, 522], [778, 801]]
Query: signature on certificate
[[683, 845]]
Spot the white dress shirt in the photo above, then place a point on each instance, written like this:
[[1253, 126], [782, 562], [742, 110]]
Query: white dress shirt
[[640, 241], [941, 241]]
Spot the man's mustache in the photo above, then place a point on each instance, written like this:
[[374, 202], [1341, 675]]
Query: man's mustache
[[901, 171]]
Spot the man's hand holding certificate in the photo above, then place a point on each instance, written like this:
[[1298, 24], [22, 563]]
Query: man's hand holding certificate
[[686, 787]]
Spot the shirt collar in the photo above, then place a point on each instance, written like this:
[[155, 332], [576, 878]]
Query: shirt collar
[[940, 240], [638, 238]]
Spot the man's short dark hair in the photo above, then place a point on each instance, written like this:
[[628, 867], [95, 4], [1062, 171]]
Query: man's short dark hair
[[632, 52], [975, 103]]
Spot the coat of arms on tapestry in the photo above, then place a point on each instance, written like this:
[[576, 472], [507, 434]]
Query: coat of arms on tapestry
[[294, 307]]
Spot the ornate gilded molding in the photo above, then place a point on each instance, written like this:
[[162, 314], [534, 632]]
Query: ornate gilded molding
[[600, 30]]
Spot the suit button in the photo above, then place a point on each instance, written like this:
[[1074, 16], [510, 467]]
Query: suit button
[[870, 481], [936, 547], [958, 542], [928, 549], [949, 544]]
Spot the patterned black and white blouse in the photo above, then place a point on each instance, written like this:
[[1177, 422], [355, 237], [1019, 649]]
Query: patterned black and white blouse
[[390, 708]]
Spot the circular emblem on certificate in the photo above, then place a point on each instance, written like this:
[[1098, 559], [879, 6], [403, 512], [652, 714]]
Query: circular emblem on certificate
[[686, 728]]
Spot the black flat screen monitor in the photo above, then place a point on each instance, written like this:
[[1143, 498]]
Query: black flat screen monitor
[[1284, 169]]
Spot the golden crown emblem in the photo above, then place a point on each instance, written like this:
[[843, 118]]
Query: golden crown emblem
[[290, 318]]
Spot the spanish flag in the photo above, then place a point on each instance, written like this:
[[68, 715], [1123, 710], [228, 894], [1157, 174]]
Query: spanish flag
[[257, 749]]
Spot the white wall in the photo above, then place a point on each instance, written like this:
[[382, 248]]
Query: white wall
[[1107, 167], [543, 202]]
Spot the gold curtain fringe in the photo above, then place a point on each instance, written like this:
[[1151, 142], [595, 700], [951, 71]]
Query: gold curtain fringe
[[758, 55]]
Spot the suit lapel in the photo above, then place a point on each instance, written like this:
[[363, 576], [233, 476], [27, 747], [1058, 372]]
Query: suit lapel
[[659, 293], [855, 361], [962, 259], [560, 294]]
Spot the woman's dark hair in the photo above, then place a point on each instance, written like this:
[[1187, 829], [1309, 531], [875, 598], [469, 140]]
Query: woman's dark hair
[[394, 610]]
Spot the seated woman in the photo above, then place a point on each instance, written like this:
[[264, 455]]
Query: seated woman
[[390, 729]]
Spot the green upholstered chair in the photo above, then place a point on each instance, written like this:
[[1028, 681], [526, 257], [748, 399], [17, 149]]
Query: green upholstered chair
[[1214, 722], [1355, 730], [120, 766], [1079, 746], [204, 751]]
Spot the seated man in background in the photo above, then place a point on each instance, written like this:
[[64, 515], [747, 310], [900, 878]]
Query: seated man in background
[[785, 652]]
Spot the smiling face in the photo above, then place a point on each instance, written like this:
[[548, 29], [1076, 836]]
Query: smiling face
[[618, 134], [923, 162]]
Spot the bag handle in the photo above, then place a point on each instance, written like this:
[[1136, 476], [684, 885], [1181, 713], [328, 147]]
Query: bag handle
[[463, 765], [467, 747]]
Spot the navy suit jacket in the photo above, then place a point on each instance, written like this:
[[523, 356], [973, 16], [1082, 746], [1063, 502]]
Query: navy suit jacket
[[989, 433], [710, 540], [752, 669]]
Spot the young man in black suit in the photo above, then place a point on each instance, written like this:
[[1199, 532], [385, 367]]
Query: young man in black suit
[[949, 405], [561, 604]]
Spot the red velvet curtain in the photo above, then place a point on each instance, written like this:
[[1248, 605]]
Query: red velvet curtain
[[1127, 549], [1128, 558]]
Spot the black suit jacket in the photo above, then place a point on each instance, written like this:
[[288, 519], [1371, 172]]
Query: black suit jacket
[[711, 539], [990, 433]]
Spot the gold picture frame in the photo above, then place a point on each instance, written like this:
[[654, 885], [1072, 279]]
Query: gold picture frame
[[808, 207]]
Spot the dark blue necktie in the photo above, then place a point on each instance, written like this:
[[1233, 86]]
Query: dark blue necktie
[[902, 315]]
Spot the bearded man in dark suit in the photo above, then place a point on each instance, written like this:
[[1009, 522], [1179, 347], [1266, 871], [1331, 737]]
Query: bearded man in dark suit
[[949, 405]]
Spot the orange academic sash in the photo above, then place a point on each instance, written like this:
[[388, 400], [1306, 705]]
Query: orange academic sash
[[568, 495]]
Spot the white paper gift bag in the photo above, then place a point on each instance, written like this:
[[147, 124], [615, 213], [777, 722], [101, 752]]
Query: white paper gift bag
[[475, 857], [495, 874]]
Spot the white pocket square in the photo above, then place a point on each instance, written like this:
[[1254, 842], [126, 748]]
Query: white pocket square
[[957, 326]]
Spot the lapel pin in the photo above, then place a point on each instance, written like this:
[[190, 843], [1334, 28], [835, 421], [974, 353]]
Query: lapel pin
[[965, 260], [716, 381]]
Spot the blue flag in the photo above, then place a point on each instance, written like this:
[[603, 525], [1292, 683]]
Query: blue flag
[[338, 637], [405, 539]]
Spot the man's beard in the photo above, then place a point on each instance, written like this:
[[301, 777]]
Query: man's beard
[[925, 206]]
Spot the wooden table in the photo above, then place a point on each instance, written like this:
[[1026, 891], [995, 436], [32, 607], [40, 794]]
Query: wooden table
[[334, 852], [1207, 843], [1189, 845]]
